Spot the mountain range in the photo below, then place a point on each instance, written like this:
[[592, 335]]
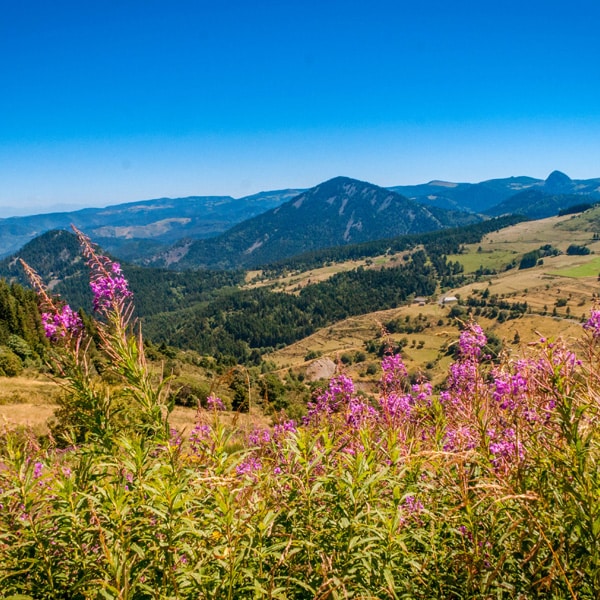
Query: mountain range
[[223, 232], [492, 196], [142, 228], [335, 213]]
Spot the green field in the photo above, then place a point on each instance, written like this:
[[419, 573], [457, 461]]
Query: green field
[[488, 259], [589, 269]]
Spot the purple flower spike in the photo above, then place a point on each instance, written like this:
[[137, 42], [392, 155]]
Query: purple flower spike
[[60, 324], [593, 324], [215, 403], [108, 289], [37, 470], [471, 341]]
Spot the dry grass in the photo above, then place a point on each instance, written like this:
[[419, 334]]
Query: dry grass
[[292, 283]]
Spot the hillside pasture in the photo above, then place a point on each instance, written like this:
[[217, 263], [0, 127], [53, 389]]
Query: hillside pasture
[[591, 268], [499, 249]]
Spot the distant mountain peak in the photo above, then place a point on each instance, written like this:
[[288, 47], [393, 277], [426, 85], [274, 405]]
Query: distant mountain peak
[[558, 181], [336, 212]]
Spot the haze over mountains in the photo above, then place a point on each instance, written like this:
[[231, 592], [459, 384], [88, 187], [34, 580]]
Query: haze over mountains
[[151, 224], [222, 232]]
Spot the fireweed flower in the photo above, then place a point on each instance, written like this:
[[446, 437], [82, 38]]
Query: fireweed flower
[[281, 430], [463, 379], [214, 403], [396, 406], [259, 437], [510, 389], [358, 413], [175, 439], [593, 324], [471, 341], [412, 505], [58, 319], [109, 286], [410, 509], [460, 438], [423, 392], [199, 438], [37, 470], [505, 448], [394, 374], [333, 400], [249, 466], [61, 323]]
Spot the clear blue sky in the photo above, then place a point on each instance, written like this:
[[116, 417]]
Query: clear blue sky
[[106, 101]]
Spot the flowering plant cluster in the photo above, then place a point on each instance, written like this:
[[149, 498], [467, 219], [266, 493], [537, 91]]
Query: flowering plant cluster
[[485, 488]]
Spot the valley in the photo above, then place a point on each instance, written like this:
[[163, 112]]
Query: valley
[[514, 306]]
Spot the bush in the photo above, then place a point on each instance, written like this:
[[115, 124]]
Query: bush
[[346, 358], [19, 346], [371, 369], [186, 391], [312, 355], [10, 363], [575, 249]]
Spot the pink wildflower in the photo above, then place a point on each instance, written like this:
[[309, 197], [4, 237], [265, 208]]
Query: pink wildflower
[[249, 466], [215, 403], [471, 341], [61, 323], [593, 324]]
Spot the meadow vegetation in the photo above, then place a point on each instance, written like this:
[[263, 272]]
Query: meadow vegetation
[[485, 486]]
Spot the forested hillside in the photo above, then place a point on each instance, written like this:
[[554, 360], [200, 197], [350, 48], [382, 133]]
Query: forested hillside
[[244, 324], [338, 212], [208, 312], [22, 339]]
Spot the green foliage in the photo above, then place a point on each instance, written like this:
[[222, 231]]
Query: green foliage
[[19, 346], [536, 204], [330, 509], [242, 321], [187, 391], [273, 393], [576, 208], [312, 354], [371, 369], [204, 311], [531, 259], [575, 249], [438, 243], [10, 363], [20, 324], [318, 219]]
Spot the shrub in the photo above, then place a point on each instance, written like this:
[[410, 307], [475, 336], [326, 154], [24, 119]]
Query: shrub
[[10, 363], [19, 346], [575, 249], [312, 355]]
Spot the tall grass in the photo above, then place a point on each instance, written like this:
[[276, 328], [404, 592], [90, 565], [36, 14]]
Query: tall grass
[[489, 488]]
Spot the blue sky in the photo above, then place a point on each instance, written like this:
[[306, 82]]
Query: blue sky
[[114, 101]]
